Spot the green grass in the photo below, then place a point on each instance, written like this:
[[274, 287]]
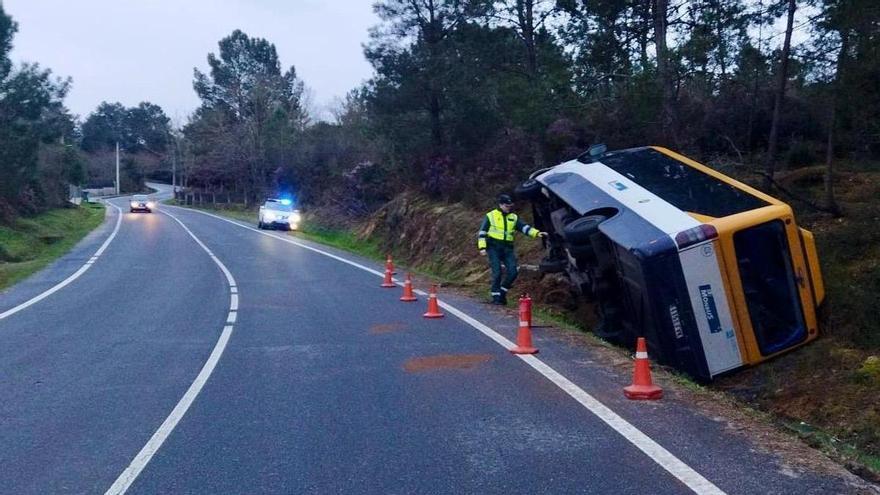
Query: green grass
[[341, 239], [833, 446], [31, 243]]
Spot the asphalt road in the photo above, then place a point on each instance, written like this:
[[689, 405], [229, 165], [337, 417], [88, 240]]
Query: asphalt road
[[203, 356]]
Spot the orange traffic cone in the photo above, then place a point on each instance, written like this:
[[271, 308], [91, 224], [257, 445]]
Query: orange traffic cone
[[389, 264], [408, 295], [524, 334], [388, 283], [433, 307], [643, 387]]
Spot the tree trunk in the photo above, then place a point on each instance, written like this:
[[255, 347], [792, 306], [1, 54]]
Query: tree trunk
[[436, 124], [830, 200], [525, 12], [433, 35], [781, 79], [753, 107], [664, 80]]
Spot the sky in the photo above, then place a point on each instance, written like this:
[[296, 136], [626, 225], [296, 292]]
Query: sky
[[145, 50]]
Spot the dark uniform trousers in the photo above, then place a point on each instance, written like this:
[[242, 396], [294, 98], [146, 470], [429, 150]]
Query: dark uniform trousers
[[501, 253]]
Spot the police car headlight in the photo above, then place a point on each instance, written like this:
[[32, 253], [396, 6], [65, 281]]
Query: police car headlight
[[134, 204], [295, 218]]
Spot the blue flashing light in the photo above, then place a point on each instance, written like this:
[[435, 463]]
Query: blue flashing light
[[285, 202]]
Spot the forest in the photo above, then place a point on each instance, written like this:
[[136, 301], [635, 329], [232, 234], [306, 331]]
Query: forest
[[467, 97]]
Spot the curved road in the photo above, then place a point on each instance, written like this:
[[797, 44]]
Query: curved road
[[199, 355]]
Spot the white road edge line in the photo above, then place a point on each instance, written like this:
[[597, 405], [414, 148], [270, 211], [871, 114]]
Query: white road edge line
[[684, 473], [75, 275], [140, 461]]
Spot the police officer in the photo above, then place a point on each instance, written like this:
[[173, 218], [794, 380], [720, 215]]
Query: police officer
[[495, 239]]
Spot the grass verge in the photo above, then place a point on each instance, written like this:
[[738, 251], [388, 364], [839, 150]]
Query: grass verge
[[855, 459], [31, 243]]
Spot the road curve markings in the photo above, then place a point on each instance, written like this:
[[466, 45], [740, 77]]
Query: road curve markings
[[140, 461], [75, 275], [673, 465]]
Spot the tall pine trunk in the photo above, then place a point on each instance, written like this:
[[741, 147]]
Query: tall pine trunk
[[781, 79], [664, 79], [525, 14], [830, 200]]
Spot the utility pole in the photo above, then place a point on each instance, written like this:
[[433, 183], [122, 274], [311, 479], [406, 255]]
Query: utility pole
[[118, 190], [174, 169]]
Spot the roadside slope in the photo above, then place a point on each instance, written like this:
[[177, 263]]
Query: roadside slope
[[29, 244]]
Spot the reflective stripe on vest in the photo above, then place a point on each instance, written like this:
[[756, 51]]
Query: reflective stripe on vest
[[501, 228]]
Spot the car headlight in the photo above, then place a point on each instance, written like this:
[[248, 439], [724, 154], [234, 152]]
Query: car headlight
[[133, 204], [295, 217], [151, 204]]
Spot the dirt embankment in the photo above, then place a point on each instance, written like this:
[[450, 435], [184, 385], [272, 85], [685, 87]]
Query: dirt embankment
[[833, 384], [441, 239]]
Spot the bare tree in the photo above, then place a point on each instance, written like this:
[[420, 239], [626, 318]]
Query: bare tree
[[526, 17], [830, 200], [781, 80]]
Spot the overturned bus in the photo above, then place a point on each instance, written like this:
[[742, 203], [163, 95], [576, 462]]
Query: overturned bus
[[713, 273]]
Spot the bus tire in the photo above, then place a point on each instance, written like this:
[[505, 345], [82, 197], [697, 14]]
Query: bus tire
[[529, 189], [580, 230]]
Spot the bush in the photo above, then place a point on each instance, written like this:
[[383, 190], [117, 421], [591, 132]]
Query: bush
[[800, 154]]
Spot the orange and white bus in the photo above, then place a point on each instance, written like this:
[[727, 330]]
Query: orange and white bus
[[714, 273]]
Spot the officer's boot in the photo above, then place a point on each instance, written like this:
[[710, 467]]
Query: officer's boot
[[503, 298], [496, 299]]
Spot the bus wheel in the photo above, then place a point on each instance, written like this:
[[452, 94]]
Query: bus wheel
[[528, 189], [580, 230]]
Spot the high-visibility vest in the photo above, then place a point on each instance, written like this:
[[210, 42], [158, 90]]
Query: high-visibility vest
[[502, 227]]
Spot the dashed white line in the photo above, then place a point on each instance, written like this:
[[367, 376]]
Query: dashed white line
[[676, 467], [140, 461], [75, 275]]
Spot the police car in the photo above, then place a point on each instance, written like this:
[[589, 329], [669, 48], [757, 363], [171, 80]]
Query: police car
[[714, 274], [279, 213]]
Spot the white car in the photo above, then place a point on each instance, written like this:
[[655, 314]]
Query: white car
[[279, 213], [141, 202]]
